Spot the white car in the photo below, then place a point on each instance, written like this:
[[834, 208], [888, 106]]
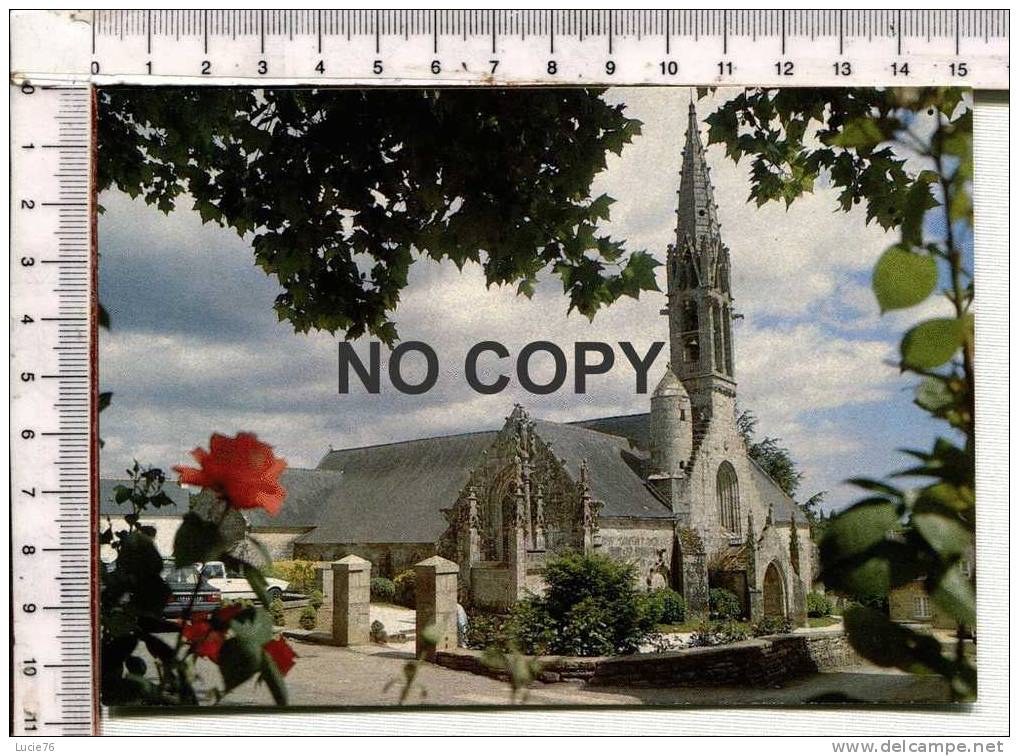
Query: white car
[[234, 586]]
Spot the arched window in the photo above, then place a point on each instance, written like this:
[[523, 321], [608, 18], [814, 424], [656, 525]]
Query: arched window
[[728, 498]]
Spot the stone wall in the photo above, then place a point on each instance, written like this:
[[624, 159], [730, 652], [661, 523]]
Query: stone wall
[[761, 662], [280, 543], [491, 586], [388, 559], [647, 544], [903, 604]]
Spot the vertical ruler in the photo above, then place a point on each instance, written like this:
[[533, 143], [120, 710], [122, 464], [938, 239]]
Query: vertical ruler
[[51, 267]]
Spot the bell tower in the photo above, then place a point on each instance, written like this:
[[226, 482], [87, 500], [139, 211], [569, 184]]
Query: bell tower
[[699, 293]]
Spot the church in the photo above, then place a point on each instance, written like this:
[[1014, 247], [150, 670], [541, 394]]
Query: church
[[672, 491]]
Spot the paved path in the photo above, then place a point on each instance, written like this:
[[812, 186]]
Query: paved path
[[374, 676]]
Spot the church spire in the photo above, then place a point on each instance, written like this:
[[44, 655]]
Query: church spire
[[700, 299], [696, 212]]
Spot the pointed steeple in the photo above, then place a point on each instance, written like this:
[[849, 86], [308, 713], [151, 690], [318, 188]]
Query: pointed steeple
[[696, 213], [700, 298]]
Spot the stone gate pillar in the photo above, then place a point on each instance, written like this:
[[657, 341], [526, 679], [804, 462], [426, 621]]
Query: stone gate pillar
[[351, 599], [435, 600]]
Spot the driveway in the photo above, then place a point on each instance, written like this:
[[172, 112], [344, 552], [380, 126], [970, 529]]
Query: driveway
[[374, 676]]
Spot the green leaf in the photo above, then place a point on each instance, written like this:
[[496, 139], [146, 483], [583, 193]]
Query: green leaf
[[944, 532], [274, 680], [121, 494], [197, 540], [862, 526], [888, 644], [954, 593], [238, 661], [931, 343], [860, 133], [903, 278]]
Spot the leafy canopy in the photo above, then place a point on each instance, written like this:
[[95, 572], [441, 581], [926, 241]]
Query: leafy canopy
[[341, 190], [859, 140]]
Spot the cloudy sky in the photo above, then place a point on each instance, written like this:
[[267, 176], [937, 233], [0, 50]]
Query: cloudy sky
[[196, 347]]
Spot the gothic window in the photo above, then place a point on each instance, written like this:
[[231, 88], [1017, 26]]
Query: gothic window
[[727, 323], [690, 320], [728, 498], [691, 349], [723, 274], [716, 325]]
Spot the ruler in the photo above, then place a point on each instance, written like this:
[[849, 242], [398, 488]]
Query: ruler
[[51, 410], [471, 47], [58, 55]]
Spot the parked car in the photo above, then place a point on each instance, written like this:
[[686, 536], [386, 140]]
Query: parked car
[[235, 586], [189, 589]]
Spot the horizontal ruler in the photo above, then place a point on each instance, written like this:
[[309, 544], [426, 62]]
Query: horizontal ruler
[[470, 47]]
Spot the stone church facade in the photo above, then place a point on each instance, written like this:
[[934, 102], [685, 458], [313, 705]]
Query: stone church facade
[[720, 526], [672, 491]]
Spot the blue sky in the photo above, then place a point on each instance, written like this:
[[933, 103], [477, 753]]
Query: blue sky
[[196, 347]]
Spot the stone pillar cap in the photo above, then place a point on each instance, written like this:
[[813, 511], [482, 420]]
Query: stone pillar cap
[[352, 563], [438, 564]]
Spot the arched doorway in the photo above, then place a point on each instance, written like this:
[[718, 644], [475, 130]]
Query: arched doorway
[[774, 592]]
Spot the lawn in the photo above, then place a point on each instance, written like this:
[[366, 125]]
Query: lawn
[[682, 627], [823, 621]]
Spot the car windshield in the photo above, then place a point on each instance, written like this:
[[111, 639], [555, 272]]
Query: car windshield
[[172, 574]]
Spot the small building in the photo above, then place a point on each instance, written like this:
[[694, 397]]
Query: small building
[[910, 604]]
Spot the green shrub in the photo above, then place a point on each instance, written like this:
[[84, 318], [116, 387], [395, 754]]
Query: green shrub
[[529, 627], [590, 607], [377, 632], [309, 618], [300, 573], [485, 631], [383, 589], [405, 587], [316, 599], [663, 605], [819, 605], [587, 630], [279, 618], [719, 633], [772, 626], [724, 605]]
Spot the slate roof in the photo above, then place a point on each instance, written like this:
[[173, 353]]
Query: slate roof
[[768, 491], [394, 493], [636, 428], [614, 469], [307, 493], [307, 490]]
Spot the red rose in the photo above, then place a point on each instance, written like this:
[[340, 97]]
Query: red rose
[[225, 614], [281, 654], [203, 639], [242, 470]]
